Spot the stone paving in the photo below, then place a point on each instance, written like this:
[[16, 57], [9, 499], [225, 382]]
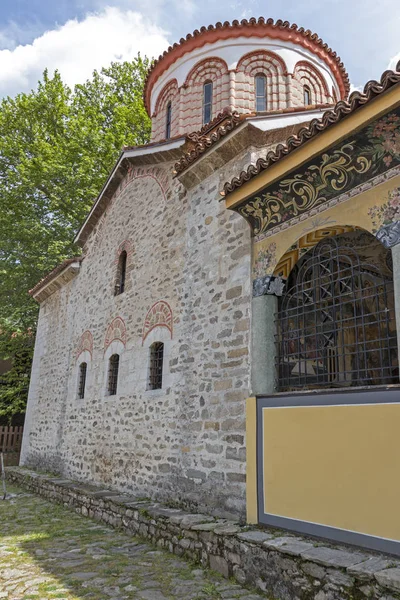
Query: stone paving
[[49, 552]]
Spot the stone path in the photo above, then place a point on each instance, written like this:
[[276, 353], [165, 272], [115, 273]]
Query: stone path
[[48, 552]]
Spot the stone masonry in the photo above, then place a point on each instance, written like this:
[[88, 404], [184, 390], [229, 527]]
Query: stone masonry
[[282, 565]]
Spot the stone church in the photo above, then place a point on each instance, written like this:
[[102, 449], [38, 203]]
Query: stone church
[[226, 341]]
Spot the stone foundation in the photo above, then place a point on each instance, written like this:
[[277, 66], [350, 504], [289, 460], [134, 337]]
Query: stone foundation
[[285, 566]]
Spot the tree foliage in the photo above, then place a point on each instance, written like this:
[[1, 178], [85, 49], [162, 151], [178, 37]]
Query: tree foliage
[[57, 147]]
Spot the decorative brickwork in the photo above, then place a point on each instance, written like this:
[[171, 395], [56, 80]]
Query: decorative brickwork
[[159, 315], [125, 246], [85, 344], [305, 74], [169, 93], [260, 62], [191, 106], [115, 331]]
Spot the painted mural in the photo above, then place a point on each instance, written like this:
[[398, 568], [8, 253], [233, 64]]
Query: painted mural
[[368, 154]]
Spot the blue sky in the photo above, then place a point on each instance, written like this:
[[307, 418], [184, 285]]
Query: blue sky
[[77, 36]]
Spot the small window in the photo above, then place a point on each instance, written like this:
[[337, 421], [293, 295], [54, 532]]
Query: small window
[[113, 375], [121, 274], [307, 96], [168, 121], [156, 365], [82, 380], [261, 93], [207, 102]]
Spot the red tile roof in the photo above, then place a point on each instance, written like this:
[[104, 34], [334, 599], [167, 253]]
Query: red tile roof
[[342, 109]]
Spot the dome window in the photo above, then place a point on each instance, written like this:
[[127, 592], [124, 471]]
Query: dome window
[[261, 93], [168, 121], [307, 95], [207, 102]]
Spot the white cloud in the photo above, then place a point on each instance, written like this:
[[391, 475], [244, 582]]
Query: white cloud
[[78, 47], [393, 62]]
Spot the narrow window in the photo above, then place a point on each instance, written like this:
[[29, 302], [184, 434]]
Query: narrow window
[[156, 365], [113, 375], [82, 380], [261, 93], [307, 96], [207, 102], [121, 274], [168, 122]]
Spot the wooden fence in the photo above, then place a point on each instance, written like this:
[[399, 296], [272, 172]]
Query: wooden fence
[[10, 444]]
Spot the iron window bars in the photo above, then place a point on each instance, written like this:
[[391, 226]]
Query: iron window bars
[[156, 365], [336, 323], [113, 367], [82, 380]]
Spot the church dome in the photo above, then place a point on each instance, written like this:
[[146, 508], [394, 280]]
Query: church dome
[[252, 66]]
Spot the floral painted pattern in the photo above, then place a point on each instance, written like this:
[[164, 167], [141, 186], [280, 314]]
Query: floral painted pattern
[[265, 260], [385, 138], [386, 213], [369, 153]]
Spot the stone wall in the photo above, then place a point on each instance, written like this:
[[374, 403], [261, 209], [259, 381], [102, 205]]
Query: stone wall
[[285, 567], [184, 443]]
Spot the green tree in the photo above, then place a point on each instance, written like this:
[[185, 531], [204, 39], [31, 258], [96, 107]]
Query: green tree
[[57, 147]]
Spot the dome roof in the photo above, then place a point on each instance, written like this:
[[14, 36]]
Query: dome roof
[[268, 28]]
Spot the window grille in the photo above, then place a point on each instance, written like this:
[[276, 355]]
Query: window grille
[[336, 322], [207, 102], [113, 375], [156, 365], [168, 121], [307, 95], [121, 274], [82, 380], [261, 93]]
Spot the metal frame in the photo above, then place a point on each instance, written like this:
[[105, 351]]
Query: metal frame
[[336, 323], [82, 380], [112, 380], [156, 365]]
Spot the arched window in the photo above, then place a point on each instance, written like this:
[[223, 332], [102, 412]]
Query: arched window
[[156, 365], [261, 93], [121, 273], [82, 380], [207, 102], [307, 95], [112, 382], [168, 121], [336, 318]]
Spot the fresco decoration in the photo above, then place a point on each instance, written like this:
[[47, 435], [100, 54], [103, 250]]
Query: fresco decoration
[[159, 315], [386, 219], [369, 153], [115, 331], [85, 344], [264, 261]]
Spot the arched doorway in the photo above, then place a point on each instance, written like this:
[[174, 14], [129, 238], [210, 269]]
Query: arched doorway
[[336, 320]]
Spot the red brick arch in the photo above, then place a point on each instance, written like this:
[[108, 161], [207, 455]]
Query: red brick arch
[[212, 69], [159, 315], [261, 62], [169, 93], [306, 74], [85, 343], [115, 331]]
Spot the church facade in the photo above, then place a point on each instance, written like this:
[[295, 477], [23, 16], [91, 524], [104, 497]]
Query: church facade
[[237, 268]]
